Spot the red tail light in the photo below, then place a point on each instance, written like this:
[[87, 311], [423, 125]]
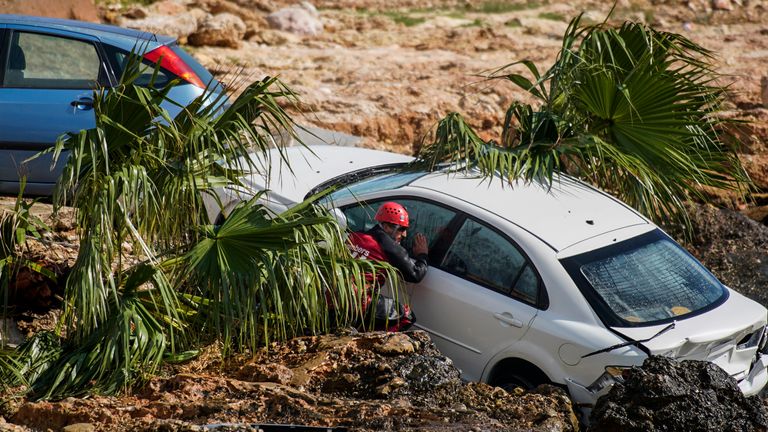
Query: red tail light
[[174, 64]]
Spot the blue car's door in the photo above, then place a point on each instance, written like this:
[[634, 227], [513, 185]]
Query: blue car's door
[[46, 90]]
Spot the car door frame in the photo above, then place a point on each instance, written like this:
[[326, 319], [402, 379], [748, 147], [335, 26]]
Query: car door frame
[[436, 257], [108, 79], [105, 78]]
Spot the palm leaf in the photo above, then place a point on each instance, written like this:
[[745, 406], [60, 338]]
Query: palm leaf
[[629, 109], [272, 277]]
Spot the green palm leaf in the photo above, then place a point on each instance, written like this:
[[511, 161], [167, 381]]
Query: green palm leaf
[[271, 277], [629, 109]]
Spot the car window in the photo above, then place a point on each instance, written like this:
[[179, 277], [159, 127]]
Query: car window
[[381, 182], [482, 255], [653, 282], [44, 61], [425, 217]]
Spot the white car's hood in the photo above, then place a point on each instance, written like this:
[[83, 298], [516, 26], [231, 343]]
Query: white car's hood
[[712, 336], [310, 167]]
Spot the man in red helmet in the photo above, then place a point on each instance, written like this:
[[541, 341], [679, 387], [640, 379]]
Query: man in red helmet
[[382, 243]]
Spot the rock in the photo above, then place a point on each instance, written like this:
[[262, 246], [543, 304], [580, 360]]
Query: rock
[[298, 20], [179, 26], [84, 10], [216, 7], [665, 395], [224, 29], [79, 427], [168, 7], [397, 344], [759, 214], [346, 383], [764, 90], [724, 5], [136, 12], [272, 37], [272, 372]]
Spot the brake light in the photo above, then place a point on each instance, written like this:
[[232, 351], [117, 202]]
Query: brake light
[[170, 61]]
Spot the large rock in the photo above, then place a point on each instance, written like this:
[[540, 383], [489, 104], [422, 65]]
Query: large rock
[[72, 9], [302, 20], [670, 396], [224, 30], [179, 26]]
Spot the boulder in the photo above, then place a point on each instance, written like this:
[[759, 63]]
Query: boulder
[[665, 395], [224, 30], [301, 20], [179, 26], [83, 10], [168, 7], [764, 90]]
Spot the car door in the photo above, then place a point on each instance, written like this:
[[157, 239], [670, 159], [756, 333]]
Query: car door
[[46, 90], [480, 294], [480, 298]]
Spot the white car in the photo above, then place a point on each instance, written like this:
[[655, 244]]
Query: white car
[[529, 284]]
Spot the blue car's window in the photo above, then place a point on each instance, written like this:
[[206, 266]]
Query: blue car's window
[[50, 62]]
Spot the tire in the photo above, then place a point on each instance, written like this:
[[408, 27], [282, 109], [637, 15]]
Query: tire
[[513, 381]]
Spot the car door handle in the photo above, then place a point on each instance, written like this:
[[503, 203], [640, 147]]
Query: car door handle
[[83, 104], [507, 318]]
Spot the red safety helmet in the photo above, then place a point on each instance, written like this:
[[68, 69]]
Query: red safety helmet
[[392, 212]]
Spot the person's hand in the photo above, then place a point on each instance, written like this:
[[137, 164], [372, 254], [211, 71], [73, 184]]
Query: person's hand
[[420, 245]]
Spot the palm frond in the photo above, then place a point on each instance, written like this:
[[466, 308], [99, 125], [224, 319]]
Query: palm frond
[[271, 277], [124, 350], [630, 109]]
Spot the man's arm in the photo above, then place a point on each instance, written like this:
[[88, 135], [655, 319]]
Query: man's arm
[[413, 269]]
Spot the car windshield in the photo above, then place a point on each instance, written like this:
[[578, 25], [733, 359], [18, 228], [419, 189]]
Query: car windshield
[[386, 181], [644, 281]]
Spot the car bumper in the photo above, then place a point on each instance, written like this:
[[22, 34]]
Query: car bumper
[[757, 378]]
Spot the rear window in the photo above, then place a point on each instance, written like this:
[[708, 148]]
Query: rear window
[[645, 281]]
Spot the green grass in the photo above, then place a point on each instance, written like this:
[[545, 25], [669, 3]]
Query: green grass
[[404, 18], [552, 16], [476, 23], [416, 16], [494, 7]]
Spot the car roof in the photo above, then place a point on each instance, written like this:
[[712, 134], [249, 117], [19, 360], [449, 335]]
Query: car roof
[[94, 29], [315, 165], [561, 214]]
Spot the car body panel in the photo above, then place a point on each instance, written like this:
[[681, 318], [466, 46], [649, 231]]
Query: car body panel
[[567, 211]]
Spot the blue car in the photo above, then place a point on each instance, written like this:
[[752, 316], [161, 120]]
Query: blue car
[[48, 70]]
